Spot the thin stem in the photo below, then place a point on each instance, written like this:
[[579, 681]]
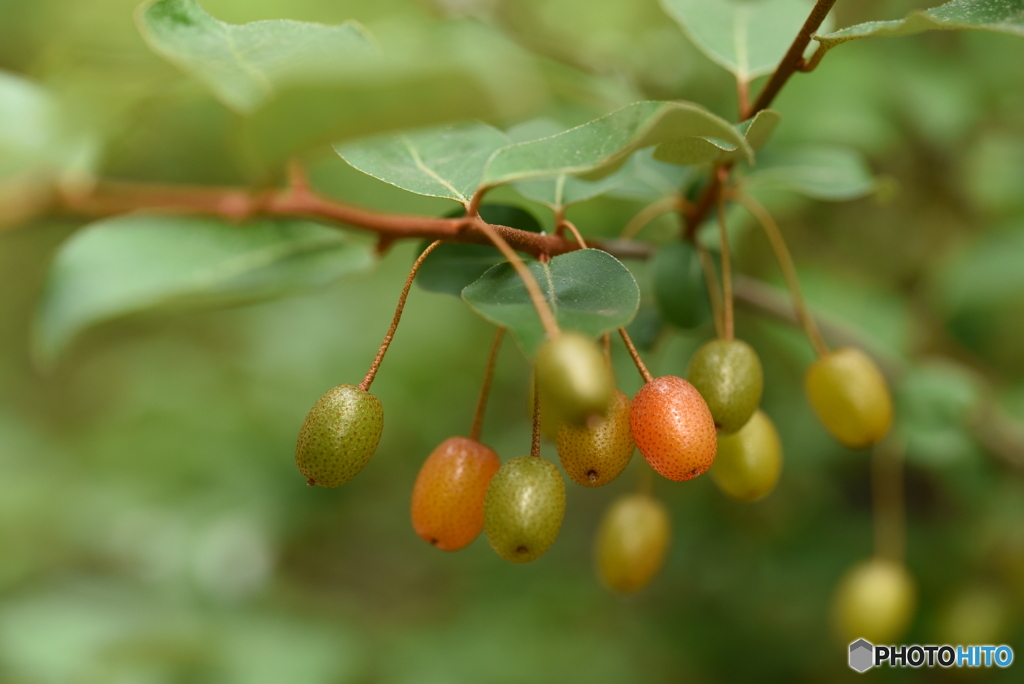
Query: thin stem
[[707, 265], [606, 345], [644, 373], [742, 95], [794, 58], [547, 318], [485, 388], [785, 260], [535, 435], [723, 234], [649, 213], [575, 232], [370, 374], [887, 500]]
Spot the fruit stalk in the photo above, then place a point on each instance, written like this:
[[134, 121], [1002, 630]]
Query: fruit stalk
[[707, 264], [782, 255], [485, 388], [644, 373], [535, 430], [370, 374], [887, 500], [723, 234]]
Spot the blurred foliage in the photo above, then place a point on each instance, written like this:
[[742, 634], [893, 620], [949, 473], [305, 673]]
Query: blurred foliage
[[153, 527]]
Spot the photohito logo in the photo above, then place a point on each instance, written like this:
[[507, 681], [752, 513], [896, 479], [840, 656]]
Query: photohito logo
[[864, 655]]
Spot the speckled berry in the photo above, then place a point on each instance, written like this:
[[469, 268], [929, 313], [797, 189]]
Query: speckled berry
[[594, 456], [523, 509], [339, 436], [728, 374], [673, 428], [573, 377], [632, 542], [875, 600], [749, 461], [850, 396], [448, 497]]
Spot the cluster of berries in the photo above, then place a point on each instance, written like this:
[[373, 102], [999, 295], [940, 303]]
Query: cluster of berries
[[682, 427]]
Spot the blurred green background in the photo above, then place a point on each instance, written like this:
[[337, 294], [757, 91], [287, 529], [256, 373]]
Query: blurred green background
[[153, 527]]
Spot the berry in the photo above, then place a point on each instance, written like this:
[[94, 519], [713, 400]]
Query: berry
[[850, 397], [748, 462], [594, 456], [573, 377], [448, 497], [523, 509], [728, 374], [632, 542], [875, 601], [339, 436], [673, 428]]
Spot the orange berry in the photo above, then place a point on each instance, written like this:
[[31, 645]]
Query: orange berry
[[673, 428], [448, 497]]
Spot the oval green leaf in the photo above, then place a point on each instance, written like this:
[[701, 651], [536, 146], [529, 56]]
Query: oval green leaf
[[446, 161], [588, 290], [747, 37], [683, 133], [824, 173], [135, 263]]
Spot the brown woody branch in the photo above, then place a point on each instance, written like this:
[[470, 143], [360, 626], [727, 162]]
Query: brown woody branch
[[110, 198]]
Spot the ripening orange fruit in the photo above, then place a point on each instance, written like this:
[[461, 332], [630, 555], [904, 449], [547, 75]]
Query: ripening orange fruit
[[594, 456], [448, 497], [673, 428]]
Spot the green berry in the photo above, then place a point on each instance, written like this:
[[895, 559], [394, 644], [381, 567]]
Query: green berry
[[875, 601], [850, 396], [523, 508], [728, 374], [573, 377], [339, 436], [749, 461], [594, 456], [632, 542]]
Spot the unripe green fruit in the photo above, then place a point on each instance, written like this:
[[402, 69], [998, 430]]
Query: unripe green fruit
[[573, 377], [728, 374], [673, 428], [875, 600], [523, 508], [548, 420], [749, 461], [978, 615], [594, 456], [632, 541], [850, 397], [339, 436]]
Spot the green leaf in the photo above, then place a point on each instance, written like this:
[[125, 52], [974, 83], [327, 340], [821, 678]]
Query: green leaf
[[747, 37], [134, 263], [452, 266], [588, 290], [645, 178], [683, 133], [986, 275], [246, 65], [934, 406], [758, 130], [998, 16], [447, 161], [679, 286], [824, 173]]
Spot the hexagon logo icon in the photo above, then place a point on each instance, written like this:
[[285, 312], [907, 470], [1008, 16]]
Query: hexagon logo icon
[[862, 655]]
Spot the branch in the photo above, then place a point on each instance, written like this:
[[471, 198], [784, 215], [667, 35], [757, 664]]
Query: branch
[[110, 198], [794, 59]]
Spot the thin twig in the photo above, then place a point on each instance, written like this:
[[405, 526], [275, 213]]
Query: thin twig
[[785, 260], [640, 366], [370, 374], [575, 232], [485, 388]]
